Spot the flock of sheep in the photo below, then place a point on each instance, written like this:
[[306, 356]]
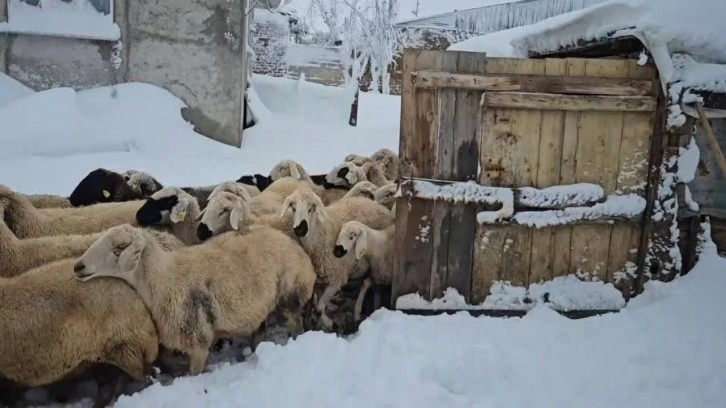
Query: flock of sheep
[[192, 266]]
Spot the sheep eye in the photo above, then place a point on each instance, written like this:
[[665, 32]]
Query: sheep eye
[[117, 251]]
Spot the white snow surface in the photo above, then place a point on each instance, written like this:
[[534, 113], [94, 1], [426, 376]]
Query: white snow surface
[[688, 158], [77, 19], [663, 349], [11, 90], [629, 205], [560, 196], [139, 126], [496, 44]]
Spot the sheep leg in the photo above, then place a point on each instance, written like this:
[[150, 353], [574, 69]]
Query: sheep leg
[[328, 293], [361, 296], [198, 359]]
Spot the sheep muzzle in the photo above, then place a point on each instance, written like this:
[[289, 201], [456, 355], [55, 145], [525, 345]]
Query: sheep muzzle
[[301, 229], [339, 251], [203, 232]]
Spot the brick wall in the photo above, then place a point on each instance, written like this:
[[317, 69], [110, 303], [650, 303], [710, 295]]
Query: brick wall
[[271, 36]]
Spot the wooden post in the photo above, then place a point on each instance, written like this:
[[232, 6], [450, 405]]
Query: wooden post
[[353, 121], [711, 138]]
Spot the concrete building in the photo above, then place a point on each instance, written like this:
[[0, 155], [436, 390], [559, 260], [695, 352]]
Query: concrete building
[[193, 48]]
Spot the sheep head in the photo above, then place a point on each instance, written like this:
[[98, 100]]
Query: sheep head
[[101, 186], [232, 187], [143, 184], [346, 174], [362, 189], [306, 208], [386, 195], [357, 159], [168, 205], [257, 180], [352, 236], [223, 213], [388, 161], [117, 253], [288, 168]]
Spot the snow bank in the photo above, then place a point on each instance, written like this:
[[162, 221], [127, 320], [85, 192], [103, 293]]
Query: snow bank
[[307, 100], [563, 293], [496, 44], [663, 349], [60, 135], [77, 19], [10, 89], [626, 206], [469, 192]]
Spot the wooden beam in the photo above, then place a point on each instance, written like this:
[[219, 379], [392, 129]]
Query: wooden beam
[[544, 101], [609, 47], [533, 83], [637, 220], [711, 139]]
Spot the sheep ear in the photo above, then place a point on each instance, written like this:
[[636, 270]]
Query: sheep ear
[[179, 212], [244, 194], [129, 259], [294, 171], [201, 214], [234, 218], [361, 247], [286, 206]]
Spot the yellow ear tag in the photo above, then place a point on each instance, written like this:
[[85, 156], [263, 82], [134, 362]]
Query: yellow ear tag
[[181, 216], [106, 194]]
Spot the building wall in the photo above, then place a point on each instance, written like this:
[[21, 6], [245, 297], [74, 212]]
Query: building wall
[[278, 56], [193, 48]]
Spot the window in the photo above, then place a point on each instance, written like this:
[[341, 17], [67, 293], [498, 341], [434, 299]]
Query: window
[[90, 19]]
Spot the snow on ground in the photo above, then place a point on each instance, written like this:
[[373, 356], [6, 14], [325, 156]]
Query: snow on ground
[[11, 90], [664, 349], [138, 126]]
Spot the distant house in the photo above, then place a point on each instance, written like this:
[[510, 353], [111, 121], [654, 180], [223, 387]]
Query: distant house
[[195, 50], [438, 32]]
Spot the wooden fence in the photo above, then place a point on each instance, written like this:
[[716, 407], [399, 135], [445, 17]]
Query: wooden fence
[[486, 127]]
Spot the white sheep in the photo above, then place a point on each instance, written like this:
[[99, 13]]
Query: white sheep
[[356, 159], [386, 195], [48, 201], [20, 255], [375, 174], [346, 174], [291, 168], [375, 246], [172, 207], [223, 288], [318, 226], [53, 327], [26, 221], [389, 162], [362, 189], [229, 212]]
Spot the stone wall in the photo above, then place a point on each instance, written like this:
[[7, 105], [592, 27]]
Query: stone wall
[[270, 38], [193, 48]]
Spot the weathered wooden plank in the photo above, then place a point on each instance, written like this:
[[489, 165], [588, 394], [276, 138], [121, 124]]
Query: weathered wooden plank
[[532, 83], [414, 219], [548, 174], [524, 163], [496, 141], [562, 246], [444, 162], [542, 101], [465, 167], [488, 249]]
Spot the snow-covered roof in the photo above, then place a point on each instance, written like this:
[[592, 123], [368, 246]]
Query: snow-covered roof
[[685, 39]]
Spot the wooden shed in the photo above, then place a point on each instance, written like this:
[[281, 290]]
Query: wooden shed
[[572, 162]]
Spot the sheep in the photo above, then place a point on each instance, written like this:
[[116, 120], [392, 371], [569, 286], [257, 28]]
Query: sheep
[[20, 255], [256, 180], [357, 159], [346, 174], [197, 294], [318, 226], [53, 328], [375, 174], [386, 195], [290, 168], [362, 189], [270, 201], [239, 189], [25, 221], [48, 201], [102, 186], [227, 212], [143, 184], [173, 207], [376, 246], [389, 162]]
